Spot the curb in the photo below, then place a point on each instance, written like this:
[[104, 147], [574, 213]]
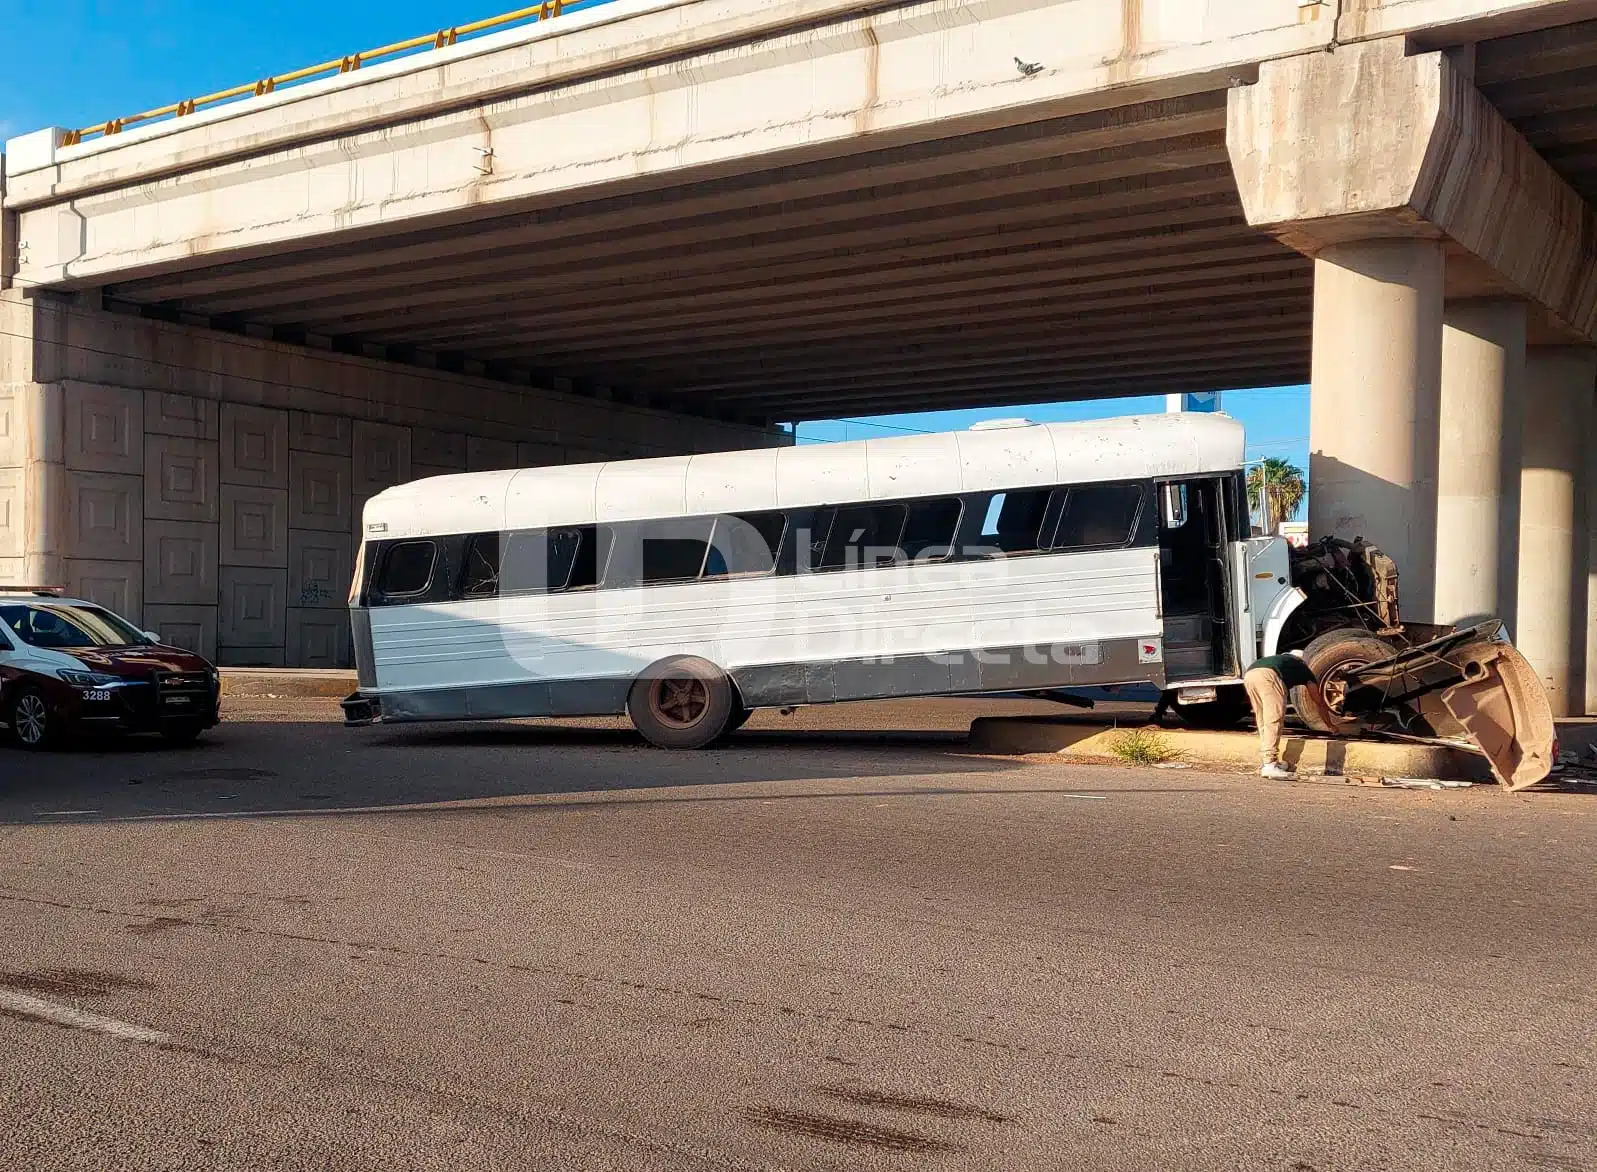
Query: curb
[[286, 683], [1014, 736]]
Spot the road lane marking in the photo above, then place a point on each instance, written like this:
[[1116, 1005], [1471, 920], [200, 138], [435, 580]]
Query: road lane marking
[[38, 1009]]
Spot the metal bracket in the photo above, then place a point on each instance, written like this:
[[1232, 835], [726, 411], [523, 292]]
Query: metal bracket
[[485, 166]]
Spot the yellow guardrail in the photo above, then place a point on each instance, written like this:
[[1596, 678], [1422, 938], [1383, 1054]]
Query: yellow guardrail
[[439, 40]]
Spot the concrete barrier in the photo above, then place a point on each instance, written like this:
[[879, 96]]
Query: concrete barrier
[[1088, 740], [242, 683]]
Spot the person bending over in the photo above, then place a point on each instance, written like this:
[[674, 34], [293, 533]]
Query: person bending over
[[1267, 682]]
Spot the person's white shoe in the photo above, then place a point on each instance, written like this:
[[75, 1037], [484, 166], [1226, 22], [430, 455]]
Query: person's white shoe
[[1275, 771]]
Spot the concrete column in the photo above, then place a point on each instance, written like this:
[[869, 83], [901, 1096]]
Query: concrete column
[[1374, 400], [1478, 462], [1553, 560], [44, 485]]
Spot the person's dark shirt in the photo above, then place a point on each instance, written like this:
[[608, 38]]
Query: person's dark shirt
[[1292, 670]]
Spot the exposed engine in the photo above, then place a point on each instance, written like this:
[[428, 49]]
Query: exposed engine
[[1348, 583]]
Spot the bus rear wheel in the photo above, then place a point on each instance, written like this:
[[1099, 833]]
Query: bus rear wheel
[[683, 702]]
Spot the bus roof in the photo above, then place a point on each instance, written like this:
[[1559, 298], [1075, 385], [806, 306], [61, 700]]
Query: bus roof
[[1131, 447]]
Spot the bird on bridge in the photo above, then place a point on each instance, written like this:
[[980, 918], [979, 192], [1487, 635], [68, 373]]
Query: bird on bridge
[[1027, 68]]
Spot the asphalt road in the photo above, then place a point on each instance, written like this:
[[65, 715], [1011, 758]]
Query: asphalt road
[[516, 947]]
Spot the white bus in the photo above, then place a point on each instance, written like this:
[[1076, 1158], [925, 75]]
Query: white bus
[[687, 591]]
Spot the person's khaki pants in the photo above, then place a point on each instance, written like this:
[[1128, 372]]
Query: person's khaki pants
[[1267, 697]]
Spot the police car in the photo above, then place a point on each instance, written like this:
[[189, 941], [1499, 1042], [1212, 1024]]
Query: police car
[[69, 666]]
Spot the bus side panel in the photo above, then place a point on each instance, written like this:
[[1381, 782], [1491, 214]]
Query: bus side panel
[[1086, 600], [996, 625], [1036, 622], [898, 610], [439, 645]]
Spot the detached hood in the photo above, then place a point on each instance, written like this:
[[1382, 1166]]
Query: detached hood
[[1492, 695]]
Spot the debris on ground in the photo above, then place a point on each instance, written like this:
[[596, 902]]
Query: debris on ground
[[1571, 770], [1425, 783]]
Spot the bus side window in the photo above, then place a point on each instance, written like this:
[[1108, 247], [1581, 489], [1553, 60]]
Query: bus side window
[[864, 537], [929, 532], [674, 550], [480, 576], [407, 569], [1098, 516], [1015, 520], [579, 555], [541, 561], [644, 553], [745, 544], [806, 542]]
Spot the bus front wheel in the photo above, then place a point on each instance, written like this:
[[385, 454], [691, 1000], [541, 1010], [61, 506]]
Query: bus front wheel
[[1330, 658], [683, 702]]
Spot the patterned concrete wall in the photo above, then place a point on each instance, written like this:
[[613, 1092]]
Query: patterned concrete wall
[[13, 451], [224, 513], [231, 528]]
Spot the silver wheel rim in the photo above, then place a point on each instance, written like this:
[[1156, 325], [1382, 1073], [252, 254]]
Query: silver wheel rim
[[31, 716]]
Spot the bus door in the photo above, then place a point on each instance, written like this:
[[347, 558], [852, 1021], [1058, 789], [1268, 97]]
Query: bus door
[[1194, 579]]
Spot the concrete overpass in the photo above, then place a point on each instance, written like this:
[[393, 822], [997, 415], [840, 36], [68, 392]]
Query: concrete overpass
[[665, 225]]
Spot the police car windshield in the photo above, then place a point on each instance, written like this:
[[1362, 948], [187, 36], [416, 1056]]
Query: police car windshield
[[63, 625]]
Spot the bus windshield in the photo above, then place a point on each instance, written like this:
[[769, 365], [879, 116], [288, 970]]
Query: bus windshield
[[65, 626]]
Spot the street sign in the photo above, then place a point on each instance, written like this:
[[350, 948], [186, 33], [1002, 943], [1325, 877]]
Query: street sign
[[1205, 402]]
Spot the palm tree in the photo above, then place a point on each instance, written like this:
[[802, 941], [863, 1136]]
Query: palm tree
[[1277, 488]]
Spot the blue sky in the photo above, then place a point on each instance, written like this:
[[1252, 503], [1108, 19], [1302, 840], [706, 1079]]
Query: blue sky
[[77, 62]]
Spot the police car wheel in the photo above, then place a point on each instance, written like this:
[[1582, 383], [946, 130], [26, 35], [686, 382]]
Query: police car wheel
[[32, 722]]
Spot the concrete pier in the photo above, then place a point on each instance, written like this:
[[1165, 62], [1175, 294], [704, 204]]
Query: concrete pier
[[1411, 190], [1376, 385], [1553, 565], [42, 434], [1478, 465]]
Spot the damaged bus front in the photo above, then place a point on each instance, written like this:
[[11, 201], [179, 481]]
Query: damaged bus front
[[1337, 602]]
